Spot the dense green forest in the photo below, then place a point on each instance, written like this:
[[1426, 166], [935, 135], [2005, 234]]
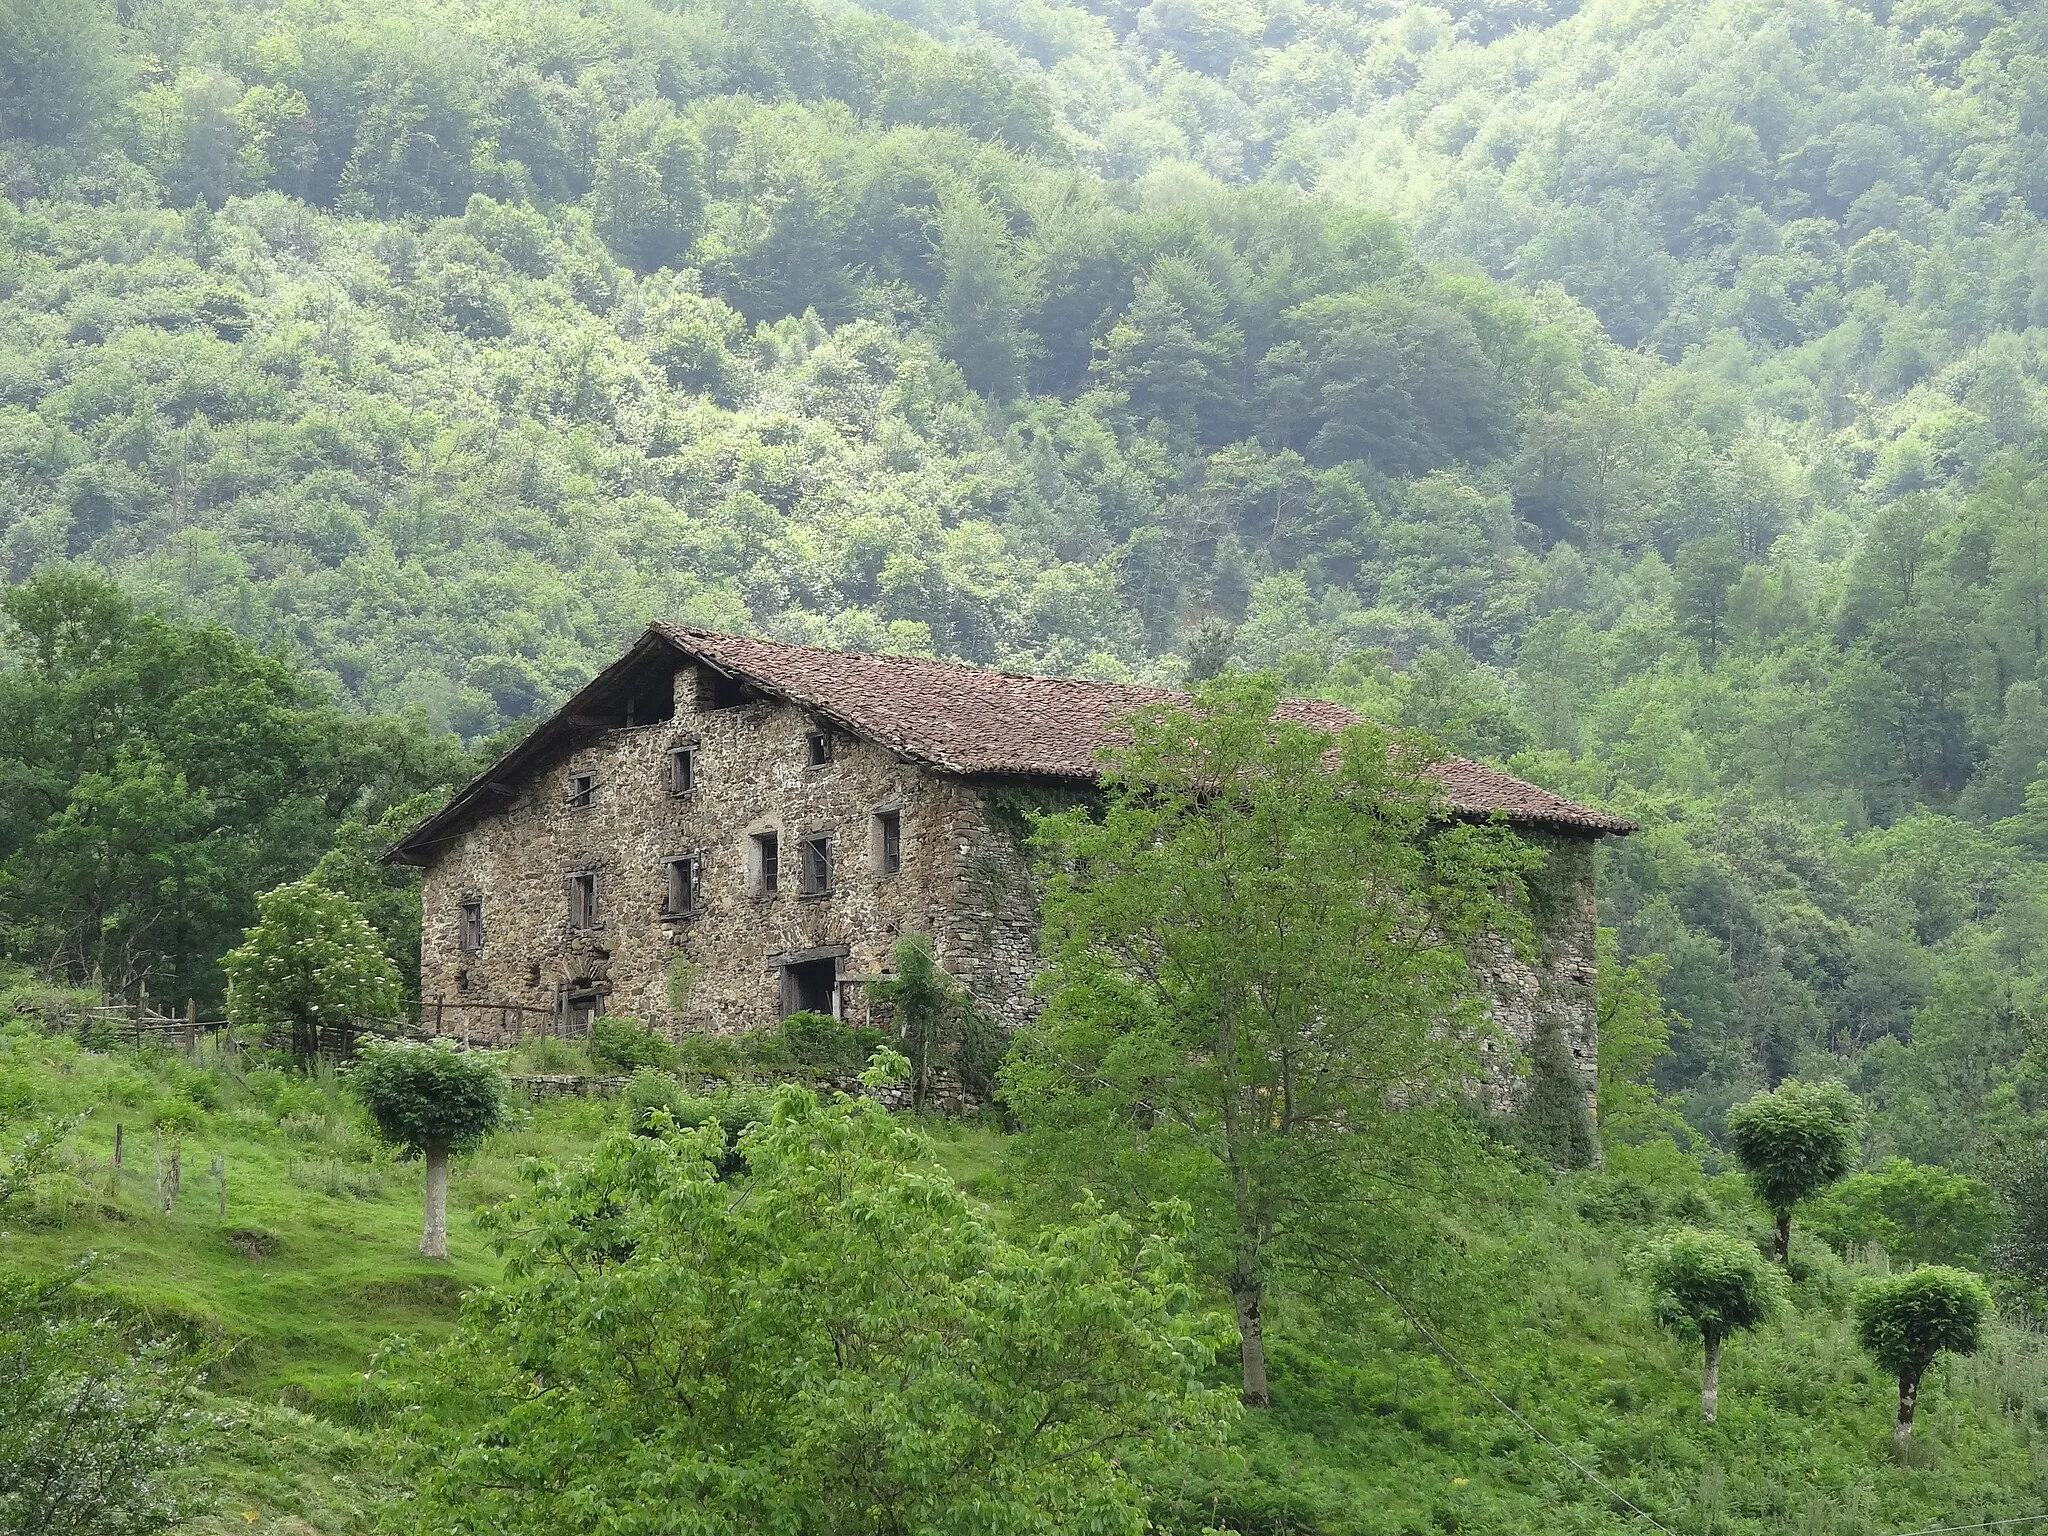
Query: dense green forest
[[1646, 398], [1644, 401]]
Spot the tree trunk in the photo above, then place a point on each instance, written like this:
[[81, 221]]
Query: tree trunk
[[1710, 1382], [1784, 1247], [1249, 1296], [434, 1229], [1909, 1395]]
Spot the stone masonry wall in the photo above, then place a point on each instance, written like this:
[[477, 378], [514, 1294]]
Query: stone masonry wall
[[1557, 988], [962, 881]]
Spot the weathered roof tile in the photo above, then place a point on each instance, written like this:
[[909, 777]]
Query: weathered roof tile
[[970, 720], [976, 720]]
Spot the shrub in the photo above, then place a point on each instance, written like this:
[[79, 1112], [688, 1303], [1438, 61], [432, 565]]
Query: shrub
[[839, 1350], [818, 1042], [737, 1108], [90, 1429], [627, 1045], [1619, 1202], [647, 1092], [1921, 1214]]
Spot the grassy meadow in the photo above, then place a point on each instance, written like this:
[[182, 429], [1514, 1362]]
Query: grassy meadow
[[1374, 1429]]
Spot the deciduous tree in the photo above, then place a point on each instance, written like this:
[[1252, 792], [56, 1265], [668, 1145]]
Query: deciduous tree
[[1904, 1321], [1793, 1143], [431, 1100], [311, 960], [1256, 994], [1708, 1285]]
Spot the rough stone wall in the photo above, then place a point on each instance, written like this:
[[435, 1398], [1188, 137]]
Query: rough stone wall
[[1557, 988], [752, 775], [964, 881]]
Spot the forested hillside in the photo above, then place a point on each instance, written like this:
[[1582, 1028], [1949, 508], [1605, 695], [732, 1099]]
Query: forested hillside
[[1647, 398], [1643, 399]]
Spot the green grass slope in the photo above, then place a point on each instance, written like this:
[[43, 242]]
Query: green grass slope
[[1375, 1429]]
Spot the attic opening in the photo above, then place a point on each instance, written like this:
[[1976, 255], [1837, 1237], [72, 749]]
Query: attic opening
[[644, 695], [720, 690]]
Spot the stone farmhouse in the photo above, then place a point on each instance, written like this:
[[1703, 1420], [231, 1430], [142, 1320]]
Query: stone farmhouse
[[718, 831]]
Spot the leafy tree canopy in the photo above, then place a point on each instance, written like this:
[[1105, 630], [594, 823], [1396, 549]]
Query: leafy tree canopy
[[427, 1096], [841, 1344], [1256, 998], [1793, 1142]]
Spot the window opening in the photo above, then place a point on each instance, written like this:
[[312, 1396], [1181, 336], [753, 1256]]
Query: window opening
[[888, 842], [685, 886], [815, 879], [811, 986], [583, 901], [715, 690], [580, 787], [767, 864], [682, 770], [470, 924], [819, 744]]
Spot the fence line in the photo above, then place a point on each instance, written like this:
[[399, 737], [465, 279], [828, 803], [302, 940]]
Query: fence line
[[471, 1021]]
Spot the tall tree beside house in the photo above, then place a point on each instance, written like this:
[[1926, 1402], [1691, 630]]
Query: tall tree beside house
[[311, 961], [1257, 997], [432, 1100], [1793, 1143]]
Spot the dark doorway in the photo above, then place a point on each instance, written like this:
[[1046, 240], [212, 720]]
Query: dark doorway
[[811, 986], [582, 1004]]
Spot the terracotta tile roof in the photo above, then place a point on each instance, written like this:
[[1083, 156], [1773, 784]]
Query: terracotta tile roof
[[973, 720], [962, 719]]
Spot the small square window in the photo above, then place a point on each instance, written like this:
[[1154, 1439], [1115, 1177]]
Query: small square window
[[470, 924], [682, 770], [819, 745], [685, 886], [581, 787], [888, 842], [816, 875], [767, 862], [583, 901]]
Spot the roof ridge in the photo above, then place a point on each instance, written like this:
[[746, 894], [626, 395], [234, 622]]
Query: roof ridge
[[905, 658]]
